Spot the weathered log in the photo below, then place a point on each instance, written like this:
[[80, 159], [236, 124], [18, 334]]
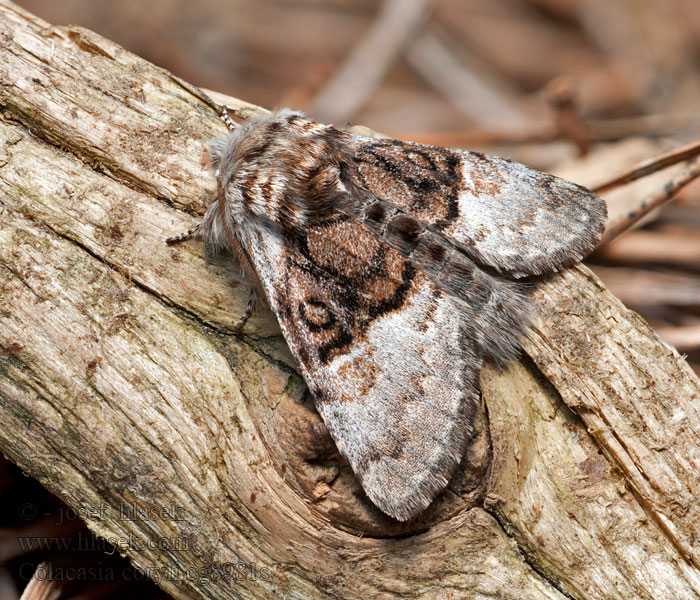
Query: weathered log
[[124, 390]]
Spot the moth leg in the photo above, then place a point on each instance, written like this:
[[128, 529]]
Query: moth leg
[[256, 294], [253, 301], [181, 237]]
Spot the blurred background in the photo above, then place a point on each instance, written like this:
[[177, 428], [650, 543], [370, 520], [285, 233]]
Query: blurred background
[[581, 88], [424, 67]]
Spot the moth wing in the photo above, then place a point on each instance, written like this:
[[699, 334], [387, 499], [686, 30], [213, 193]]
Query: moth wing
[[391, 365], [502, 214]]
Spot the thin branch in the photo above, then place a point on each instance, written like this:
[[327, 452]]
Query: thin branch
[[645, 288], [562, 97], [40, 587], [466, 83], [650, 202], [606, 130], [650, 166], [684, 338], [369, 61]]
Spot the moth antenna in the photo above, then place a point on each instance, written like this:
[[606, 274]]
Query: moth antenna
[[228, 121], [198, 93]]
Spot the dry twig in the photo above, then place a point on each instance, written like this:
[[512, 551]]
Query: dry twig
[[367, 64], [650, 203], [469, 86], [40, 587], [597, 130], [651, 166]]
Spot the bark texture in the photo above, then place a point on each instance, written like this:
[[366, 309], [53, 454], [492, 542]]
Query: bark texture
[[197, 452]]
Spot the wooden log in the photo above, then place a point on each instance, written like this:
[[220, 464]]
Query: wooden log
[[124, 390]]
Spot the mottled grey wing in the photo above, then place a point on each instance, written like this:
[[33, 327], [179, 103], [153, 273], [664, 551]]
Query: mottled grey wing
[[390, 360], [500, 213]]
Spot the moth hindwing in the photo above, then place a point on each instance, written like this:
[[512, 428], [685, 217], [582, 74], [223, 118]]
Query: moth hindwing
[[392, 268]]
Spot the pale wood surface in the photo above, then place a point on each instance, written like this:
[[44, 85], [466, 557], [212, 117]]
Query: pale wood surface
[[122, 386]]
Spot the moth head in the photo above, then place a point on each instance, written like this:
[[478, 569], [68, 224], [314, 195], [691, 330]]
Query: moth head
[[281, 168]]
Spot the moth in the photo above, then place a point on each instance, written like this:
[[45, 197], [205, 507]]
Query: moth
[[393, 269]]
